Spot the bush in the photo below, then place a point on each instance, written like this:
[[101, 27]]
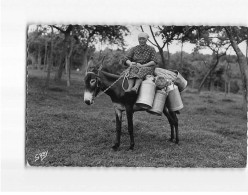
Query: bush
[[234, 88]]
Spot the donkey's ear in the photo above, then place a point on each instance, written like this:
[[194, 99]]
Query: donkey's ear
[[100, 65], [90, 66], [103, 59], [86, 72]]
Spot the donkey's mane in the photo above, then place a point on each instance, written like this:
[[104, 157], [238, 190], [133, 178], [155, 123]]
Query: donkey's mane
[[114, 76]]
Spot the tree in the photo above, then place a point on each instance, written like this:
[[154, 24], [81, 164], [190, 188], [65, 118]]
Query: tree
[[214, 63], [168, 51], [246, 50], [50, 63], [169, 34], [113, 61], [34, 44], [72, 45], [212, 38], [68, 48], [156, 44], [88, 35], [236, 35], [60, 55]]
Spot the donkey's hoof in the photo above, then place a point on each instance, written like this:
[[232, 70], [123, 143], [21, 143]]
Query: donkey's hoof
[[130, 148], [115, 147], [171, 140], [177, 142]]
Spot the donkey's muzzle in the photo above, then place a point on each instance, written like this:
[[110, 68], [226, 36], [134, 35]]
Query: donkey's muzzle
[[88, 97], [88, 102]]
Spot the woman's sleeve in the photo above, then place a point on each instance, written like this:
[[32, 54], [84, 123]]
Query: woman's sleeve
[[153, 56], [129, 55]]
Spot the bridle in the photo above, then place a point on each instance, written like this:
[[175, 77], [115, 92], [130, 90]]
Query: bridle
[[124, 74], [97, 75], [97, 81]]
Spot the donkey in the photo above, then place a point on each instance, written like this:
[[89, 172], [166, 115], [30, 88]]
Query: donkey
[[98, 80]]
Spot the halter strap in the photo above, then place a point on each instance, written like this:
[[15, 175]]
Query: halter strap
[[90, 72], [124, 74]]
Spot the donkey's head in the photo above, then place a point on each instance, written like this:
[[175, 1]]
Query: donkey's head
[[92, 82], [92, 87]]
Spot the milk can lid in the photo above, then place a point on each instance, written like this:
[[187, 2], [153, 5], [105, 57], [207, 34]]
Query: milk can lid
[[171, 87]]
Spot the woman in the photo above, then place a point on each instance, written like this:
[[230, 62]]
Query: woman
[[142, 60]]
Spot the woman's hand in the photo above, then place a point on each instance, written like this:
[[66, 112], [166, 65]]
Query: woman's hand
[[133, 64], [129, 63], [149, 64]]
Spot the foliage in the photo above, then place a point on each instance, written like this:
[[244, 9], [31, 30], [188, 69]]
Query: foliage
[[92, 34], [84, 37], [193, 66]]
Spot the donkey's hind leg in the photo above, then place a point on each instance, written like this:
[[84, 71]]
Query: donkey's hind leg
[[167, 114], [175, 123], [129, 112], [118, 115], [173, 120]]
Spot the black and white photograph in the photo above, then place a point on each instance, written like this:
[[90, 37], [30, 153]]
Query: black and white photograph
[[124, 96], [136, 96]]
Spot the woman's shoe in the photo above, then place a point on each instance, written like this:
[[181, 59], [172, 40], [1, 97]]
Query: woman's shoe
[[135, 90], [128, 91]]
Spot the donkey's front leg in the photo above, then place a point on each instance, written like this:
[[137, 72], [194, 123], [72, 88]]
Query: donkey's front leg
[[129, 111], [118, 115]]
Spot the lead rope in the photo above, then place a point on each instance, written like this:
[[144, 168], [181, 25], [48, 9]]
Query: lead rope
[[124, 74]]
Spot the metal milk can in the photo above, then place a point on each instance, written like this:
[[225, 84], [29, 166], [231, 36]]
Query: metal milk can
[[158, 103], [146, 94], [173, 100], [180, 81]]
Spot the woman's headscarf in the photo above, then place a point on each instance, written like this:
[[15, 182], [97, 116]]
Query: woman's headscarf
[[143, 34]]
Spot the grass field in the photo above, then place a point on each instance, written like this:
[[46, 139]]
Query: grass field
[[212, 130]]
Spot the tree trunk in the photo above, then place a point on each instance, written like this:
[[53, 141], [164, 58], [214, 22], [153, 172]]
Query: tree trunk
[[67, 69], [210, 82], [161, 52], [27, 45], [59, 73], [100, 55], [225, 88], [51, 61], [193, 83], [243, 67], [181, 60], [45, 57], [209, 72], [168, 54], [229, 86], [39, 58], [227, 77], [244, 72], [246, 50], [68, 47], [68, 64], [160, 49], [84, 66]]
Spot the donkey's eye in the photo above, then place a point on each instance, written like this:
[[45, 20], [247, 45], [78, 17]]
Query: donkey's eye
[[92, 81]]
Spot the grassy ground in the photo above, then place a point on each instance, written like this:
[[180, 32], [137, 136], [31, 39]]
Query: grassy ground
[[213, 131]]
